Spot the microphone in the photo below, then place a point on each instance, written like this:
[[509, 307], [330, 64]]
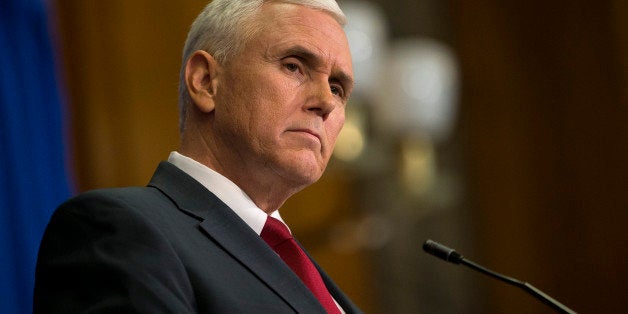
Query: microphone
[[450, 255]]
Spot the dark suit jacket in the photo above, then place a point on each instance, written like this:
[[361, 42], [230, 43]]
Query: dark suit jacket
[[170, 247]]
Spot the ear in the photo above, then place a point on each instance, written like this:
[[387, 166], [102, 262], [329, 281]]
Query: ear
[[201, 81]]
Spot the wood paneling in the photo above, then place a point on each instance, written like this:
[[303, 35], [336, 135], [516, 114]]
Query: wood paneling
[[545, 127], [121, 62]]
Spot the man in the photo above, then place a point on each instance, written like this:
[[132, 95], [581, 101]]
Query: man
[[263, 91]]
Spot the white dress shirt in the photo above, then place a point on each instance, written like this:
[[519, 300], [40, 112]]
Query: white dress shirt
[[225, 190]]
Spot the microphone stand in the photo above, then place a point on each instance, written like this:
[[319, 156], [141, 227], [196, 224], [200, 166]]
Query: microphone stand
[[445, 253]]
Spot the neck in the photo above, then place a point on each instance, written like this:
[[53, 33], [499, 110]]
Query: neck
[[267, 190]]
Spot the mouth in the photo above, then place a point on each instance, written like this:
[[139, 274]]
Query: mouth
[[309, 133]]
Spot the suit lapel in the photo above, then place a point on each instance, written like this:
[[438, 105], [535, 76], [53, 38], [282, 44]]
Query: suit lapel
[[220, 223], [344, 302], [255, 255]]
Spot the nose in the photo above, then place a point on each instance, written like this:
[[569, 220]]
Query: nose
[[322, 101]]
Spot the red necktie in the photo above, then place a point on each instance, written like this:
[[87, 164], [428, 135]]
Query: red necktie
[[276, 234]]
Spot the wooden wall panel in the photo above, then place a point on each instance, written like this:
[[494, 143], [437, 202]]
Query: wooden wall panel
[[545, 127], [121, 66]]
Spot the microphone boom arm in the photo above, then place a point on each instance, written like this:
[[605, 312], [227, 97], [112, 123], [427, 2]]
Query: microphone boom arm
[[450, 255]]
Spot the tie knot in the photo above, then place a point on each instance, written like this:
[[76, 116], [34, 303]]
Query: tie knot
[[275, 232]]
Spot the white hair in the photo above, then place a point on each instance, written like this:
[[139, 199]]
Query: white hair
[[225, 26]]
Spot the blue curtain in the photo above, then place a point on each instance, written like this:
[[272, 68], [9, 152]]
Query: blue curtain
[[33, 180]]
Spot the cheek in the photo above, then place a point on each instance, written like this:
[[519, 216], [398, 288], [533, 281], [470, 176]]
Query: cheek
[[334, 126], [268, 109], [277, 105]]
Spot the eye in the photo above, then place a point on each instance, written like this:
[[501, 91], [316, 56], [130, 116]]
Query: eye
[[337, 90], [292, 67]]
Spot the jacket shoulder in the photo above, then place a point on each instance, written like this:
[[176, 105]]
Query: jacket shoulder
[[135, 198]]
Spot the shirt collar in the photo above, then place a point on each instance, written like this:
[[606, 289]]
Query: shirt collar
[[225, 190]]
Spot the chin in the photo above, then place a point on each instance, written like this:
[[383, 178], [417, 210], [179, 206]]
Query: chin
[[306, 178], [300, 169], [303, 176]]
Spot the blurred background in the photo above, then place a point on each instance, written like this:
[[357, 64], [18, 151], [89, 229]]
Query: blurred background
[[497, 127]]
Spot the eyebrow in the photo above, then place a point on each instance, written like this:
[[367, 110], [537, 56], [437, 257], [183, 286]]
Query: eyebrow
[[310, 57]]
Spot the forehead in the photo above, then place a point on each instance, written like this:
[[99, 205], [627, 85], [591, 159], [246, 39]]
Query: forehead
[[283, 26]]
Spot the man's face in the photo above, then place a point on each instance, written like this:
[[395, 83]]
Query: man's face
[[281, 102]]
